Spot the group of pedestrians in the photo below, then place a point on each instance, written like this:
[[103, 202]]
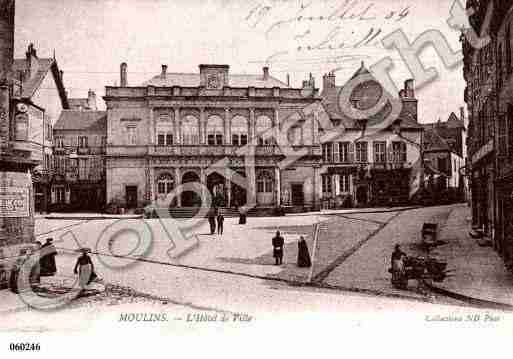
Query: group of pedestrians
[[214, 216], [45, 265], [303, 255]]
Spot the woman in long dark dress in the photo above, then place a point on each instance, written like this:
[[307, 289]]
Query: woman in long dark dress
[[47, 261], [85, 269], [303, 256]]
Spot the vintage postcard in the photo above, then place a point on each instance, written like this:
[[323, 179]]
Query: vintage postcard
[[258, 174]]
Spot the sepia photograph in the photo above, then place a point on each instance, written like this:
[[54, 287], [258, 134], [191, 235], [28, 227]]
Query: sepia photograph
[[256, 178]]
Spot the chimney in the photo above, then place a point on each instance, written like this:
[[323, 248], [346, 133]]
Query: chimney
[[462, 114], [123, 75], [266, 73], [288, 80], [409, 88], [164, 71], [91, 100], [33, 63], [328, 80]]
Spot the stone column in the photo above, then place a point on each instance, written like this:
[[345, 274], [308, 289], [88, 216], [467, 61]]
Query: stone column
[[178, 126], [252, 127], [152, 183], [153, 132], [203, 179], [336, 179], [251, 178], [315, 190], [227, 126], [203, 126], [177, 183], [277, 126], [228, 181], [277, 180]]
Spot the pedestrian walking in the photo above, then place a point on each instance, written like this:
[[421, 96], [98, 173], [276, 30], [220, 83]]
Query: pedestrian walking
[[278, 243], [85, 269], [220, 222], [303, 256], [399, 279], [47, 261], [35, 271], [212, 221]]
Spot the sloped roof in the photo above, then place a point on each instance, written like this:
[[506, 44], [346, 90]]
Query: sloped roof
[[330, 101], [82, 120], [433, 141], [454, 122], [30, 84], [75, 103], [193, 80]]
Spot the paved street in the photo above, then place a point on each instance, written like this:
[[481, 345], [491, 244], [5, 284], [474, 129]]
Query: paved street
[[235, 272]]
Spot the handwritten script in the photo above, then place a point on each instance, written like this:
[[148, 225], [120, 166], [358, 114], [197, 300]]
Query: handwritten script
[[316, 28]]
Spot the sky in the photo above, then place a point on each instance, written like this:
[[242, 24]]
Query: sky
[[296, 37]]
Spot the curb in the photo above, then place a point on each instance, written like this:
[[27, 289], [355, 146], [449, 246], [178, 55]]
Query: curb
[[91, 218], [321, 213], [470, 300]]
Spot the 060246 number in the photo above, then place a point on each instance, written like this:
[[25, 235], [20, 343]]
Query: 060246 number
[[24, 347]]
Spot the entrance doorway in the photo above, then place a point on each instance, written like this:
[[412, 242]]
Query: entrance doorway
[[361, 195], [131, 196], [189, 198], [217, 187], [239, 194], [297, 194]]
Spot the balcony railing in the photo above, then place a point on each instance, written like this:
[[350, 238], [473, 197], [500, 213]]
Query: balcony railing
[[229, 150]]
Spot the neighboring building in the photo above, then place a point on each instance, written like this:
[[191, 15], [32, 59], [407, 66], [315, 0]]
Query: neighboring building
[[175, 126], [31, 94], [41, 91], [80, 104], [78, 183], [378, 169], [444, 154], [481, 97], [489, 97]]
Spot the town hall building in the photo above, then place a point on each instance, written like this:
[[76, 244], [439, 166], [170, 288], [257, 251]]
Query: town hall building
[[179, 128]]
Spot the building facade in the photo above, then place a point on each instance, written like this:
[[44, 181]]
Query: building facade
[[41, 92], [489, 98], [26, 109], [181, 128], [78, 182], [444, 154], [369, 169], [481, 98]]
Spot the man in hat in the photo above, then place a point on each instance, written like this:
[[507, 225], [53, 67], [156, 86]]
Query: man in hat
[[47, 261], [278, 243]]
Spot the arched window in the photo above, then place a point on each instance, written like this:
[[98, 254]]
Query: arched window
[[239, 131], [165, 130], [295, 135], [215, 130], [165, 183], [190, 130], [264, 182], [263, 130]]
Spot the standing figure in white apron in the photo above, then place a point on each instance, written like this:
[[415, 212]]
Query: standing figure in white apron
[[85, 269]]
